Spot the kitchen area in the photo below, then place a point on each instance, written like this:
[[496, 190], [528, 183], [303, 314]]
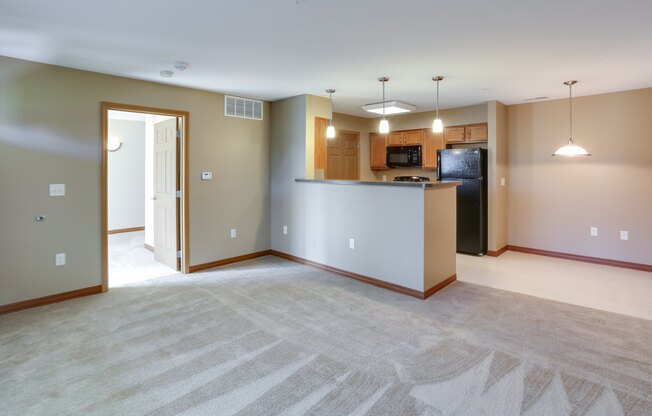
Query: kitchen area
[[392, 221]]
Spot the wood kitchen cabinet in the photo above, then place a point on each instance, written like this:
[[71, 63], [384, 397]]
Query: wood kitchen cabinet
[[470, 133], [405, 138], [431, 143], [378, 150]]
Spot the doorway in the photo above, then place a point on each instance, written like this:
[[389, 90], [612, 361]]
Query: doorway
[[144, 198], [337, 157]]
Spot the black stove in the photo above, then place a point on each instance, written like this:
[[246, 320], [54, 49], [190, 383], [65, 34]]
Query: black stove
[[411, 179]]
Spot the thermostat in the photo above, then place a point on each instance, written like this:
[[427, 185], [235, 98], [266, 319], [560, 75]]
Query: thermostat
[[206, 176]]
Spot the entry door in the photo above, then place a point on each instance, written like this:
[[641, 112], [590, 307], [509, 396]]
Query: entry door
[[165, 193], [342, 160]]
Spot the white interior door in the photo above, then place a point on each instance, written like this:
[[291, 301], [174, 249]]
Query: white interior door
[[165, 193]]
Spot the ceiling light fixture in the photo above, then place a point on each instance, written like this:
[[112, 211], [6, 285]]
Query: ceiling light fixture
[[391, 107], [167, 74], [330, 130], [437, 124], [384, 124], [571, 149]]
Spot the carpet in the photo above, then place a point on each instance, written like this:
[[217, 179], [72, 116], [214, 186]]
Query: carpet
[[272, 337]]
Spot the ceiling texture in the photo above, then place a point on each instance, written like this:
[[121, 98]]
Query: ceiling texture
[[505, 50]]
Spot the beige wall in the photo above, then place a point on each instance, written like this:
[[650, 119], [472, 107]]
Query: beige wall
[[497, 168], [50, 133], [554, 201]]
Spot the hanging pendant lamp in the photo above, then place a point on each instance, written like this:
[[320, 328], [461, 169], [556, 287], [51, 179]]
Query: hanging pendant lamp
[[330, 130], [571, 149], [384, 124], [437, 124]]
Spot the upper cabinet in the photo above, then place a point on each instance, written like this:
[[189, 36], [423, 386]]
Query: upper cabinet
[[378, 150], [470, 133], [405, 138], [431, 143]]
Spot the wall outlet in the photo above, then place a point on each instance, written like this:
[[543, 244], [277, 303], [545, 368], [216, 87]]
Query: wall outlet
[[60, 259], [233, 233], [57, 189], [206, 176], [502, 181], [624, 235], [594, 231], [384, 178], [351, 243], [285, 230]]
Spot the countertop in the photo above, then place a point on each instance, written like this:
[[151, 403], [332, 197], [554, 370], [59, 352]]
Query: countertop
[[425, 185]]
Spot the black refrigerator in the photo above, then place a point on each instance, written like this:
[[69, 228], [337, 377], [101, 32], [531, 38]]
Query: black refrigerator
[[468, 165]]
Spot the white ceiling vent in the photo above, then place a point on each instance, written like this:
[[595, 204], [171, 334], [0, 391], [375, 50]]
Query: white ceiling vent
[[243, 108]]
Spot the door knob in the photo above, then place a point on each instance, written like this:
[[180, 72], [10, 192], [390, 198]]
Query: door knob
[[154, 198]]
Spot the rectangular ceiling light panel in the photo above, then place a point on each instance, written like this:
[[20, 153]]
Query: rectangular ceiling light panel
[[391, 107]]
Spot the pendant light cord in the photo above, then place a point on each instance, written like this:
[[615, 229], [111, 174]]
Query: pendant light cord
[[570, 101], [383, 100], [330, 122], [437, 115]]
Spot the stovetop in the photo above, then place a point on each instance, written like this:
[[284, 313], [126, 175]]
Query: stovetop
[[411, 179]]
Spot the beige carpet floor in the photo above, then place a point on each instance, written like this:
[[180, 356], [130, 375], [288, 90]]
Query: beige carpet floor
[[271, 337]]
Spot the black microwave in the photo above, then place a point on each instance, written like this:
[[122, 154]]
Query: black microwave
[[404, 156]]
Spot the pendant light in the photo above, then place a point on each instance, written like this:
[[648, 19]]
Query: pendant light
[[571, 149], [384, 124], [437, 125], [330, 130]]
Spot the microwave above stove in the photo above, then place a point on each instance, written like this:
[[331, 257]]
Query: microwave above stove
[[404, 156]]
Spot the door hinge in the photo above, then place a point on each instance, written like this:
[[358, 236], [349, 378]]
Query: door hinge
[[178, 194], [179, 254], [178, 134]]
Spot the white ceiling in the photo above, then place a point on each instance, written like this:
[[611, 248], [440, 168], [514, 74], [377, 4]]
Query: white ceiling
[[505, 50]]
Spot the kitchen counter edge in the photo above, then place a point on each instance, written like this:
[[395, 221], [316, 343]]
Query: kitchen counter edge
[[425, 185]]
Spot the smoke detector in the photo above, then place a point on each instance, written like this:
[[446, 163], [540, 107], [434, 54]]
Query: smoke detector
[[167, 74]]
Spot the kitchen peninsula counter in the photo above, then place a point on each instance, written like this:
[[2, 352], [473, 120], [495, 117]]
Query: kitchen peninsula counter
[[397, 235]]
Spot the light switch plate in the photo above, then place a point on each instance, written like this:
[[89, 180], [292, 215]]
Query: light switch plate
[[502, 181], [57, 189], [285, 230], [594, 231], [624, 235], [351, 243], [60, 259], [233, 233]]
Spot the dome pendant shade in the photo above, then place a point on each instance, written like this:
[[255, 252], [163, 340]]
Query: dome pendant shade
[[330, 132], [571, 149], [437, 126]]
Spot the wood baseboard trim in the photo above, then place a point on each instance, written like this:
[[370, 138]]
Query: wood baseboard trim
[[367, 279], [586, 259], [46, 300], [439, 286], [148, 247], [230, 260], [497, 253], [125, 230]]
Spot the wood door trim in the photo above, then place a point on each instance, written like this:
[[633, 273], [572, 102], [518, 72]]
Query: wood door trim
[[184, 220], [46, 300], [125, 230]]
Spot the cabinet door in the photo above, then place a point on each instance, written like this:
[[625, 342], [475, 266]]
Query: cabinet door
[[431, 143], [412, 137], [476, 133], [395, 138], [454, 134], [378, 150]]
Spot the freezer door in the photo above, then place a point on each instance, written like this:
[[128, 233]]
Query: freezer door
[[459, 163]]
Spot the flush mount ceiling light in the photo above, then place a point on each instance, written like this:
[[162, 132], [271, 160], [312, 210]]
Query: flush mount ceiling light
[[391, 107], [437, 124], [167, 74], [330, 130], [571, 149]]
